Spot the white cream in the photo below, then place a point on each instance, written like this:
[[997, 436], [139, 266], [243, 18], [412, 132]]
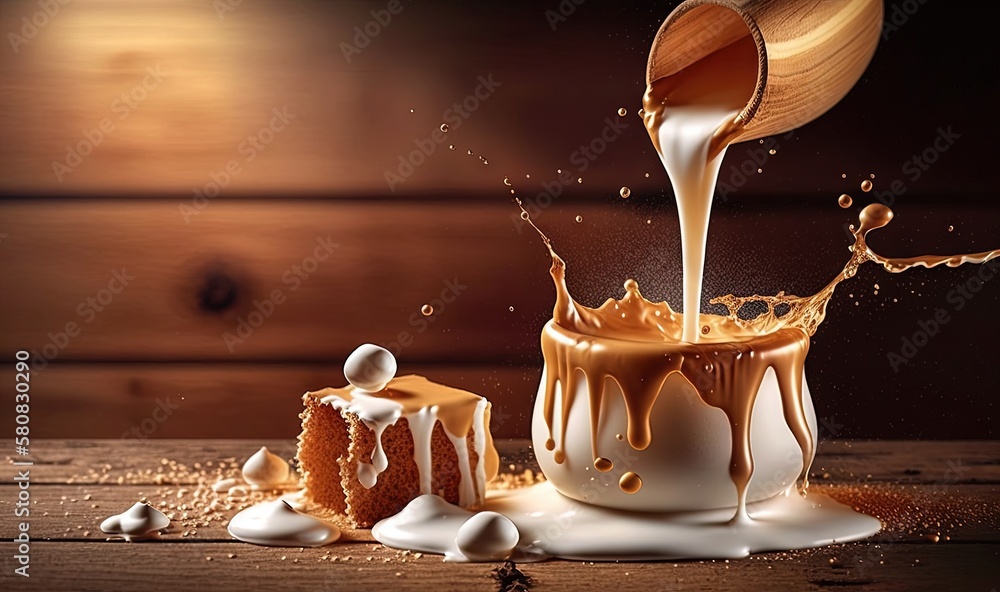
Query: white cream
[[265, 470], [487, 536], [552, 525], [277, 524], [378, 413], [141, 521]]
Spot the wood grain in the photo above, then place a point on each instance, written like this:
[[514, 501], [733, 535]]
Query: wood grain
[[843, 461], [208, 559], [230, 401]]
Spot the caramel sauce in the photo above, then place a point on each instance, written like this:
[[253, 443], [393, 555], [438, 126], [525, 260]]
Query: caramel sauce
[[636, 344]]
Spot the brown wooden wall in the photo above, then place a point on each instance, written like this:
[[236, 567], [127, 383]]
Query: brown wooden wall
[[308, 237]]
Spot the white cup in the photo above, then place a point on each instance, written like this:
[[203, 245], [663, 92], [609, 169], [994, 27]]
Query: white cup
[[686, 465]]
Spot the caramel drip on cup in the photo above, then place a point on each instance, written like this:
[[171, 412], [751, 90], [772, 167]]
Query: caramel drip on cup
[[636, 343]]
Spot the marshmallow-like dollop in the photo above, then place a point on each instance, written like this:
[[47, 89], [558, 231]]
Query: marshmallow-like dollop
[[277, 524], [138, 522], [370, 367], [265, 469], [487, 536]]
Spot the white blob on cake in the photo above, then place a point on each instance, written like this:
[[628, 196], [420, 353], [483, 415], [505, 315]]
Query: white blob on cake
[[370, 367]]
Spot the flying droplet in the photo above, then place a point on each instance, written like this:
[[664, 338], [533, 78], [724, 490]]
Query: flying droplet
[[772, 152], [469, 152], [506, 181], [411, 110], [649, 221], [510, 308], [843, 176], [872, 175], [866, 186], [622, 112], [759, 171], [845, 201], [524, 215], [579, 179], [647, 175], [603, 464], [951, 229], [486, 161], [451, 146], [579, 218], [444, 127], [625, 192], [427, 310]]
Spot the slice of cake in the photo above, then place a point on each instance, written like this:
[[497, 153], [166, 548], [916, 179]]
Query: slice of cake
[[368, 449]]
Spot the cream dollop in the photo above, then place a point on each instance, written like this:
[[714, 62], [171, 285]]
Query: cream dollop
[[138, 522], [487, 536], [265, 469], [278, 524], [370, 367]]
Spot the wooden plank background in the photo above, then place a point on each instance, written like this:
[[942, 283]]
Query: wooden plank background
[[201, 269]]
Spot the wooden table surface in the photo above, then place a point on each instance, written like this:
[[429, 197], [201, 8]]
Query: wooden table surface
[[939, 501]]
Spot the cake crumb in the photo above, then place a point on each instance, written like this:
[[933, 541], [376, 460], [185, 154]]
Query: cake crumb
[[511, 579]]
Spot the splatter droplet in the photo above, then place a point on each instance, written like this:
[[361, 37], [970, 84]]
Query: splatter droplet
[[866, 186], [427, 310], [630, 482], [524, 215], [603, 464], [444, 127], [506, 181], [625, 192], [845, 201], [705, 330]]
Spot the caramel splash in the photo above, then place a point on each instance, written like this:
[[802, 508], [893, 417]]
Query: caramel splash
[[808, 312], [636, 343]]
